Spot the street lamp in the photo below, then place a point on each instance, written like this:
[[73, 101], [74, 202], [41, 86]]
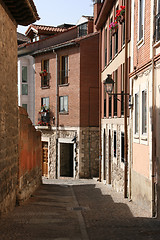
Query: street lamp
[[108, 84]]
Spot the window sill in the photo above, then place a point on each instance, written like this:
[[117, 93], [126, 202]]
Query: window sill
[[140, 43], [157, 44], [45, 87], [63, 85], [63, 113], [144, 137], [136, 136]]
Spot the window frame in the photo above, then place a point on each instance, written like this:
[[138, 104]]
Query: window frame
[[144, 113], [64, 111], [64, 71], [136, 113], [115, 144], [141, 22], [45, 79], [83, 31]]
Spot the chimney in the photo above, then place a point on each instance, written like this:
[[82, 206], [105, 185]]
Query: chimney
[[97, 7]]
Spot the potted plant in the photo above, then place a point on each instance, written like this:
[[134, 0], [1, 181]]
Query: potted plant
[[43, 73], [120, 15], [113, 27]]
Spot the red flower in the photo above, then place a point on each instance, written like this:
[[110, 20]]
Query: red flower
[[122, 7]]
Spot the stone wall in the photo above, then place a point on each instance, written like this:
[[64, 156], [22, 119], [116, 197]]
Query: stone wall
[[89, 152], [8, 112], [114, 170], [30, 157], [86, 151]]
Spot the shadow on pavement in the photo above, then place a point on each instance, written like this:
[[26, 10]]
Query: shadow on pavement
[[54, 212]]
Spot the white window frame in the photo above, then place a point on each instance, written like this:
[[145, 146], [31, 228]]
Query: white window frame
[[142, 112], [63, 111], [140, 41], [136, 129]]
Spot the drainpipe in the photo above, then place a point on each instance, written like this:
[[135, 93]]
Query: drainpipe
[[154, 210], [126, 107], [56, 120], [100, 144]]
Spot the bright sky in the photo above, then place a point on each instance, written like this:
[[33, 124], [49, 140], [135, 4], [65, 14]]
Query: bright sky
[[53, 12]]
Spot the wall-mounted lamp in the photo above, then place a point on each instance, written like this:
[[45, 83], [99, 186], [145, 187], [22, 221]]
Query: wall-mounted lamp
[[108, 84]]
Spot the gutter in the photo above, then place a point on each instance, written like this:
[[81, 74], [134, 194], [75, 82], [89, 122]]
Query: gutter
[[56, 113], [154, 205], [52, 48]]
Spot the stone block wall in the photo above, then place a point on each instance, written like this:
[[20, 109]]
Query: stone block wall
[[30, 157], [8, 112], [89, 152], [117, 166], [86, 151]]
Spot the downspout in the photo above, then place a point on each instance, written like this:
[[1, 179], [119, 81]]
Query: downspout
[[126, 107], [100, 144], [56, 120], [154, 210]]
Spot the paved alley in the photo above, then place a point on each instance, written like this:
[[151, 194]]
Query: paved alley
[[78, 209]]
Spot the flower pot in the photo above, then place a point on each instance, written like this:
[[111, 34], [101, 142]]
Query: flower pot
[[113, 31], [41, 74], [45, 74]]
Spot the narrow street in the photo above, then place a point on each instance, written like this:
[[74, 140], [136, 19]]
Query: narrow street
[[78, 209]]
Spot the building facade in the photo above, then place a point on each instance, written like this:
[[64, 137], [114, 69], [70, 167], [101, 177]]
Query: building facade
[[111, 24], [9, 18], [67, 100]]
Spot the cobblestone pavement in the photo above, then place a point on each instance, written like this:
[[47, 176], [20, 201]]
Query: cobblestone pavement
[[79, 210]]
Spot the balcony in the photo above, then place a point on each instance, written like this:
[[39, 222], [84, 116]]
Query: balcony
[[63, 77], [45, 81], [157, 27], [44, 118]]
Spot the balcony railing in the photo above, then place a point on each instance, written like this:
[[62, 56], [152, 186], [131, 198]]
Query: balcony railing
[[45, 80], [44, 118], [63, 77], [157, 27]]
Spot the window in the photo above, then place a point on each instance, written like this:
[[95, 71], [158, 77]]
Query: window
[[123, 27], [45, 79], [110, 106], [82, 29], [45, 101], [45, 115], [111, 20], [144, 112], [115, 92], [136, 113], [141, 19], [24, 74], [116, 37], [104, 106], [24, 89], [63, 70], [157, 22], [24, 106], [122, 90], [122, 147], [24, 81], [115, 144], [105, 47], [63, 104]]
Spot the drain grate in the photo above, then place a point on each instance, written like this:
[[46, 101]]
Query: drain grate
[[78, 208]]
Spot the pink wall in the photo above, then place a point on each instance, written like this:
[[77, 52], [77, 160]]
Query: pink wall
[[141, 159]]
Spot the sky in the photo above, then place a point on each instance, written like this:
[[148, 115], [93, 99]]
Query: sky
[[57, 12]]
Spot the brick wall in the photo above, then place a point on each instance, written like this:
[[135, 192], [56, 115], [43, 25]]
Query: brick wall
[[142, 51], [30, 157], [8, 112]]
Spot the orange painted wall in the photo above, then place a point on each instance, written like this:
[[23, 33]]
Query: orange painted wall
[[141, 159]]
